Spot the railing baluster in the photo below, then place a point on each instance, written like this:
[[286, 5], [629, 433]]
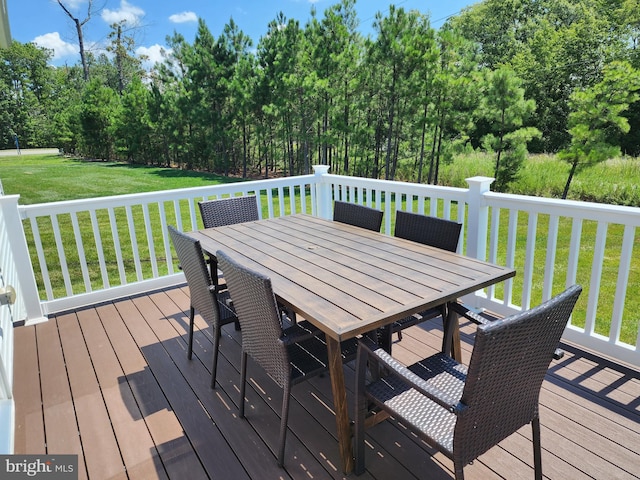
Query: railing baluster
[[150, 242], [596, 276], [550, 257], [134, 243], [270, 202], [115, 236], [622, 283], [165, 236], [512, 237], [64, 268], [494, 237], [574, 251], [82, 258], [281, 201], [292, 199], [193, 214], [42, 260], [532, 229], [99, 249]]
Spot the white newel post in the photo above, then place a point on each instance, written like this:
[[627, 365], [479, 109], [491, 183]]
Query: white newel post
[[478, 218], [26, 288], [323, 192]]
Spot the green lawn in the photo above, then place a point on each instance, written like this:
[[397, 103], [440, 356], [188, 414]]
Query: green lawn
[[51, 178]]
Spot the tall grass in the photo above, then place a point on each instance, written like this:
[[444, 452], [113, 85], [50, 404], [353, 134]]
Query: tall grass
[[613, 182]]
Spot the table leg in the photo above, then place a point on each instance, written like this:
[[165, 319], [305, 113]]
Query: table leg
[[340, 404], [451, 338]]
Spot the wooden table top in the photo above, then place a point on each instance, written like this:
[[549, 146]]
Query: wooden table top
[[347, 280]]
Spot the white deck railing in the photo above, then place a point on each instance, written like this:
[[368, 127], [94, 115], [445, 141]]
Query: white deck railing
[[8, 276], [87, 251]]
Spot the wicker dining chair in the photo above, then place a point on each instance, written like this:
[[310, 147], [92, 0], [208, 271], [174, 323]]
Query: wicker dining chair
[[357, 215], [288, 355], [432, 231], [228, 211], [464, 411], [207, 299]]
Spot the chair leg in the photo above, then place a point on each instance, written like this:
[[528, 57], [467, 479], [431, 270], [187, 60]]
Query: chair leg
[[286, 396], [537, 448], [191, 320], [216, 347], [243, 376], [385, 338], [458, 470]]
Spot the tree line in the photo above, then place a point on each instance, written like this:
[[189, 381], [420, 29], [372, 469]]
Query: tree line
[[508, 77]]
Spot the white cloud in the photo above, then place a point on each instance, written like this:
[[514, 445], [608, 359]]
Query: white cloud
[[154, 53], [183, 17], [128, 13], [53, 42], [74, 4]]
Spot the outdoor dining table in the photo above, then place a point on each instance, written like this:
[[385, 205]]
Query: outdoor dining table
[[348, 281]]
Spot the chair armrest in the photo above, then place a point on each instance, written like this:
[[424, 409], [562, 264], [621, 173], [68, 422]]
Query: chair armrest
[[396, 368], [466, 312]]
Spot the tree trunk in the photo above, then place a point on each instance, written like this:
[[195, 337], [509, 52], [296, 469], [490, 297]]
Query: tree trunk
[[244, 147], [422, 144], [79, 24], [574, 165]]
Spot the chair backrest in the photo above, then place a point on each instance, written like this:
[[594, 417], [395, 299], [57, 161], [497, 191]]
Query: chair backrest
[[228, 211], [433, 231], [509, 361], [357, 215], [191, 258], [257, 310]]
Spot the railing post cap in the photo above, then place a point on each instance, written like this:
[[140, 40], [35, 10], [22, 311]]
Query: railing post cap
[[321, 169], [480, 179]]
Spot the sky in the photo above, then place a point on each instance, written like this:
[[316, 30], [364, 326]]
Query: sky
[[46, 24]]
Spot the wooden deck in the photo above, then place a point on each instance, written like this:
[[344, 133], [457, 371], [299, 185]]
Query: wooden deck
[[112, 383]]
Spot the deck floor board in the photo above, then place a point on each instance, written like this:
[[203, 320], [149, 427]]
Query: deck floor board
[[112, 383]]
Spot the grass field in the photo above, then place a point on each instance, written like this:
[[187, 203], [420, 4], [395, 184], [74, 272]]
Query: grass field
[[40, 179], [51, 178]]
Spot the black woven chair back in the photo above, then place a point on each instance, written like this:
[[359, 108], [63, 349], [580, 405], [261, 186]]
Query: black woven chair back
[[257, 311], [433, 231], [357, 215], [191, 258], [509, 361], [228, 211]]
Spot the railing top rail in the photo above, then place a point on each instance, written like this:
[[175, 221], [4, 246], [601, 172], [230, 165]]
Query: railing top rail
[[405, 187], [575, 209]]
